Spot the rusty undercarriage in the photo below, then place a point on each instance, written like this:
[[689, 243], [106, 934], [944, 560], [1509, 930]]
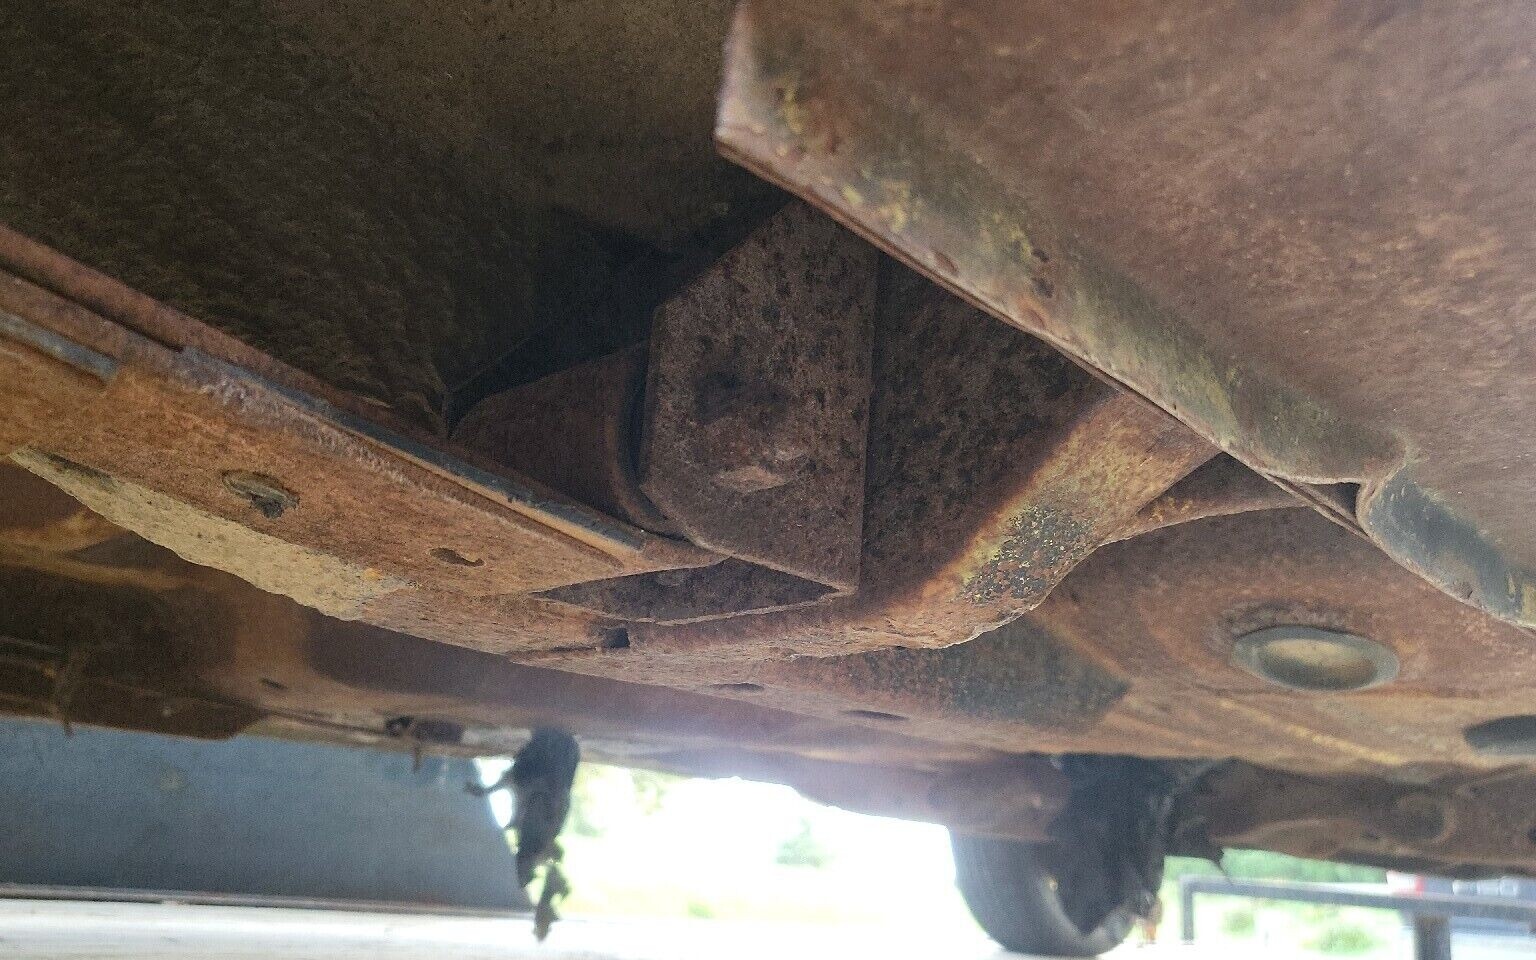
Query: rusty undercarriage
[[1094, 381]]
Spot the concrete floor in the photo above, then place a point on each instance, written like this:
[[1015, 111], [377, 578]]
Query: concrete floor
[[71, 930]]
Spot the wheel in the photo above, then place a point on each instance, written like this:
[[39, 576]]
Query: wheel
[[1012, 890]]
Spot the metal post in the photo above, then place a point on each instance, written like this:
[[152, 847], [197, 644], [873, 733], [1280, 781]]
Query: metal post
[[1431, 937], [1187, 910], [1431, 912]]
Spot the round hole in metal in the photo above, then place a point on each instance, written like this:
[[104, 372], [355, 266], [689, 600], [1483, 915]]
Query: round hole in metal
[[737, 687], [880, 715], [1314, 660], [454, 558], [1505, 737]]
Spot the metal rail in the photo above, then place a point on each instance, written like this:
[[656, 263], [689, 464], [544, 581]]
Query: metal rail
[[27, 891], [1431, 912]]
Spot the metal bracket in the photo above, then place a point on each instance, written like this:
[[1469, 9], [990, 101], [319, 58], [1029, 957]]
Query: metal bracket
[[757, 407]]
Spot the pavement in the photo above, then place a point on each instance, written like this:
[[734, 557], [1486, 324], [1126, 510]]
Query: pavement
[[77, 930]]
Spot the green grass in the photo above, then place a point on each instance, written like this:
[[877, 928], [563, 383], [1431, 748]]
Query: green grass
[[1343, 939], [1239, 922]]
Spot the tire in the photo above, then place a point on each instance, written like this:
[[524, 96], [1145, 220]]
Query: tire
[[1011, 893]]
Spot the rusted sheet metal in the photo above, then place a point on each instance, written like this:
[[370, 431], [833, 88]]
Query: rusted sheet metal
[[995, 466], [1240, 211], [882, 771], [95, 641], [757, 401], [1016, 797], [134, 636], [1015, 677], [1221, 487], [357, 519], [579, 431], [1142, 636], [746, 416], [37, 516], [576, 431], [729, 588], [1134, 653], [1459, 819], [1167, 609], [152, 623], [155, 642]]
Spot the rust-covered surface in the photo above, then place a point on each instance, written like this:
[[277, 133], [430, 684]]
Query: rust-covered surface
[[1450, 823], [123, 633], [1220, 487], [991, 479], [725, 590], [1233, 342], [922, 734], [757, 400], [1160, 613], [995, 466], [356, 520], [395, 196], [575, 431], [1301, 228]]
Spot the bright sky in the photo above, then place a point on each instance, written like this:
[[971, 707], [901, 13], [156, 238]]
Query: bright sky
[[721, 837]]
